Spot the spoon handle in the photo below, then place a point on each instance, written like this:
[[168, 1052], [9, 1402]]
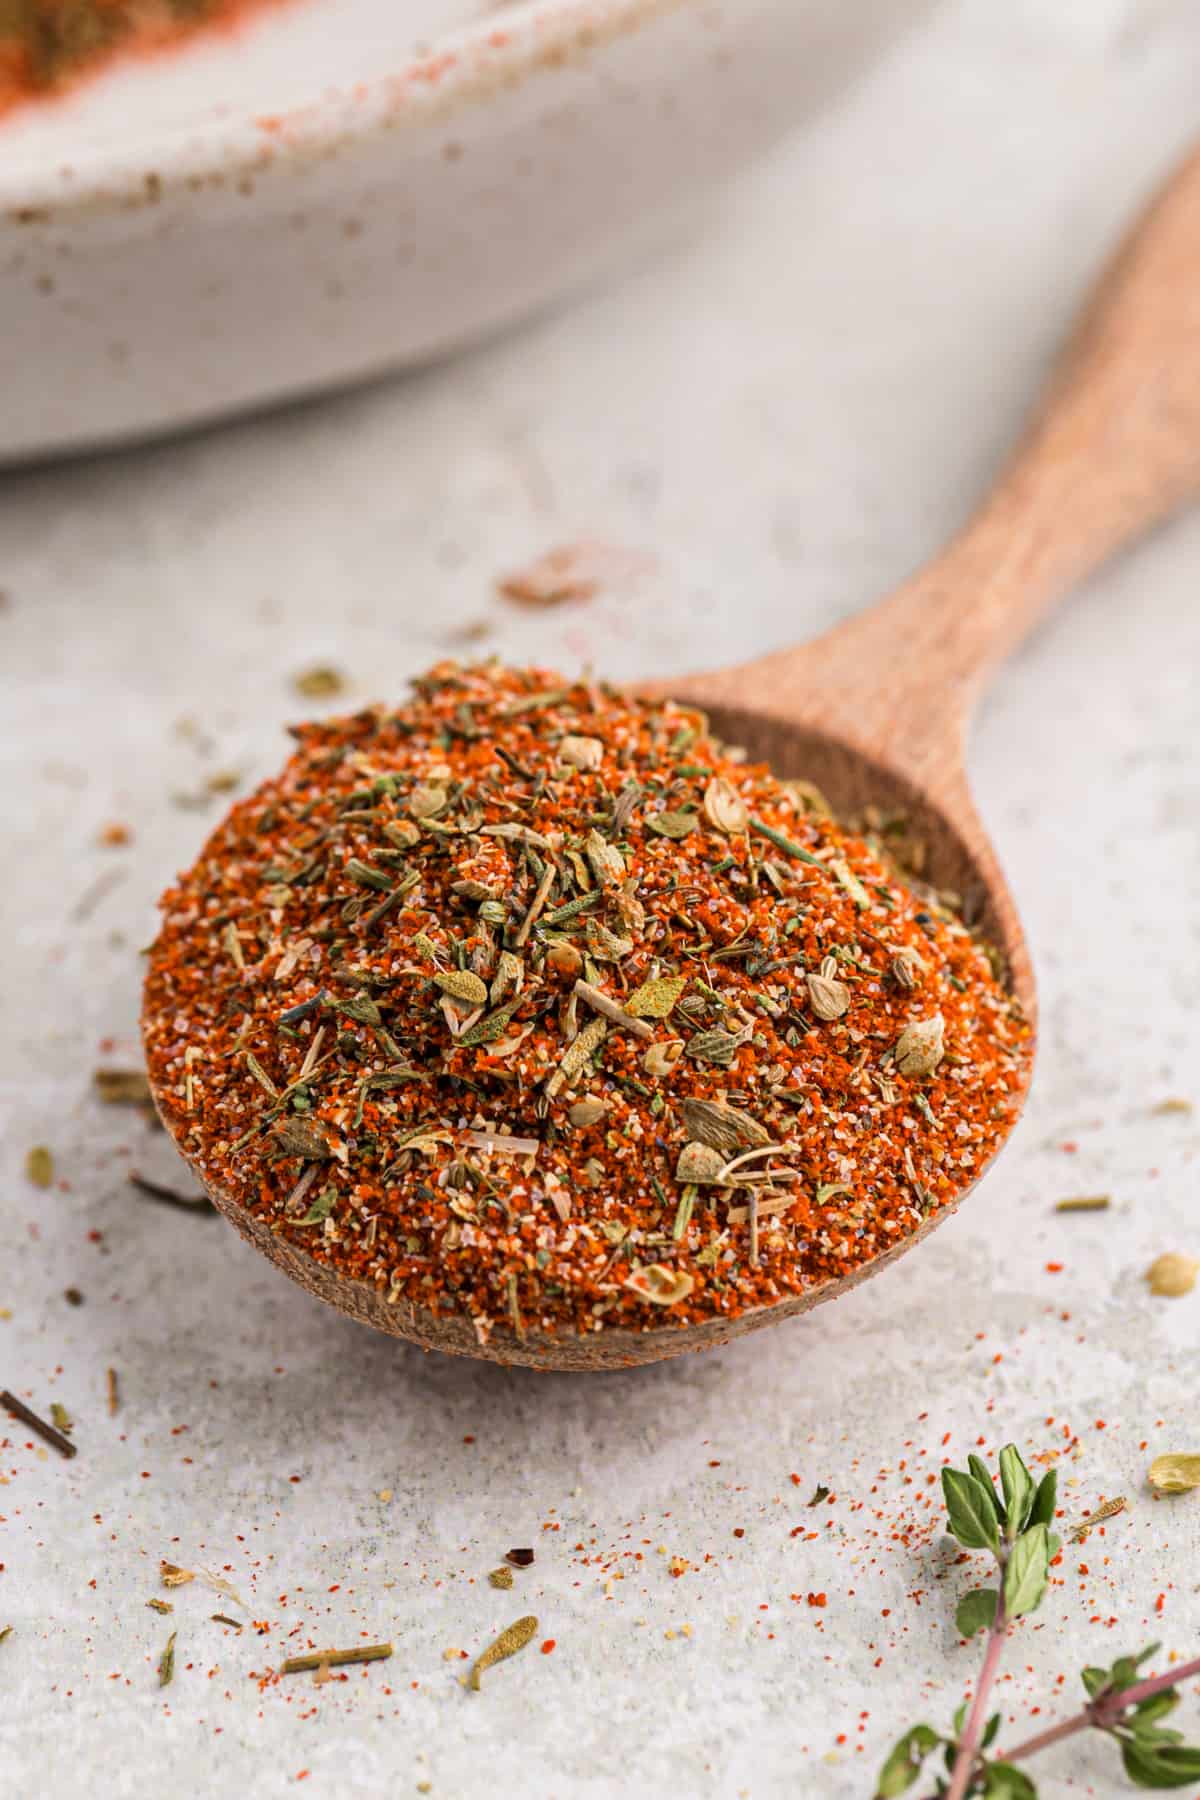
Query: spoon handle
[[1113, 450]]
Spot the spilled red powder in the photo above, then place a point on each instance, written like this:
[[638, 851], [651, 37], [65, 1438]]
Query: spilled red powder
[[48, 46]]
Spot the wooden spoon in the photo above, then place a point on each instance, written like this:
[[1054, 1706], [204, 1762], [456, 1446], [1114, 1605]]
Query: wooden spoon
[[877, 710]]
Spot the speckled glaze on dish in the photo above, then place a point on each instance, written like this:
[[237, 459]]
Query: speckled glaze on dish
[[166, 258]]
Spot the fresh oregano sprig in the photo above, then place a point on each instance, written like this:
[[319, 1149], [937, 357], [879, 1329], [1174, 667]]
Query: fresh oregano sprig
[[1014, 1525]]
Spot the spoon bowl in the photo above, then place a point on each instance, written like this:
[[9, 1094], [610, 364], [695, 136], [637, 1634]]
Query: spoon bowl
[[877, 710]]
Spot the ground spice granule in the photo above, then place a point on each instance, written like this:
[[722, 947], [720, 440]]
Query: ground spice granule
[[529, 1001]]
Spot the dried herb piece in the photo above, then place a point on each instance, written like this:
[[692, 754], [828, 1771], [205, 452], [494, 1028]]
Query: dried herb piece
[[53, 1437], [122, 1087], [160, 1606], [320, 682], [320, 1209], [173, 1576], [727, 1128], [333, 1659], [462, 985], [1084, 1203], [500, 1578], [61, 1416], [676, 825], [1172, 1274], [820, 1494], [113, 1391], [513, 1638], [1174, 1474], [39, 1166], [166, 1662], [166, 1196], [660, 1285], [656, 999], [701, 1164], [224, 1619], [1109, 1510]]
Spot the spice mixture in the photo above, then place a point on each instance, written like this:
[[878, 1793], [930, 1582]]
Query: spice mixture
[[529, 1001], [47, 44]]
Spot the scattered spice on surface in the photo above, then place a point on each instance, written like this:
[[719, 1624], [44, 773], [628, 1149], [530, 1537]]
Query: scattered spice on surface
[[122, 1087], [39, 1166], [113, 1389], [574, 572], [61, 1416], [394, 933], [173, 1576], [114, 835], [520, 1559], [160, 1606], [166, 1662], [820, 1494], [501, 1578], [333, 1659], [1084, 1203], [50, 1433], [513, 1638], [167, 1196], [1173, 1105], [72, 1296], [224, 1619], [1173, 1474], [5, 1632], [1110, 1509], [321, 682], [1172, 1274]]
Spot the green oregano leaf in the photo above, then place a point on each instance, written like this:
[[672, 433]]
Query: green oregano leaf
[[1004, 1781], [1025, 1576], [976, 1611], [979, 1470], [904, 1764], [989, 1731], [1160, 1766], [1018, 1487], [320, 1209], [972, 1516], [1042, 1510]]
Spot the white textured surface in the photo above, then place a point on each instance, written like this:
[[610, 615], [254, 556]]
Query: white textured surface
[[789, 413]]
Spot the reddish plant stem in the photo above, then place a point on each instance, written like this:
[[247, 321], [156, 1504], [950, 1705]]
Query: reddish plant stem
[[1105, 1710], [968, 1743]]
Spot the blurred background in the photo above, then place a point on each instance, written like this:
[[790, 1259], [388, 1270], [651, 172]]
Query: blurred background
[[709, 322]]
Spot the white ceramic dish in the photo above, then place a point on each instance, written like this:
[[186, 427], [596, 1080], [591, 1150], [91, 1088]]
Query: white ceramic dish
[[353, 185]]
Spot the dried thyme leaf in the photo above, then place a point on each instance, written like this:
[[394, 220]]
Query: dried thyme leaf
[[674, 825], [1172, 1274], [852, 884], [320, 1209], [61, 1416], [656, 999], [173, 1576], [501, 1578], [166, 1662], [514, 1638], [577, 1055], [160, 1606], [1175, 1474], [1084, 1203], [39, 1166], [820, 1493], [491, 1027], [786, 844]]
